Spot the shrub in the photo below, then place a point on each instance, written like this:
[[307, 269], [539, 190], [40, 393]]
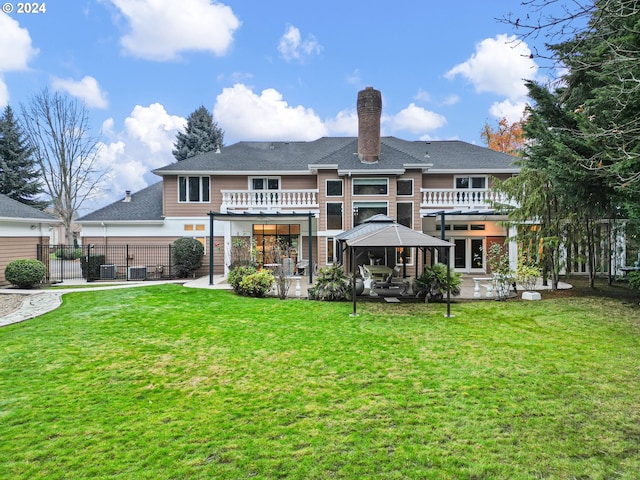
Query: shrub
[[434, 283], [256, 284], [528, 275], [634, 280], [331, 285], [25, 273], [237, 274], [187, 256], [68, 253], [90, 266]]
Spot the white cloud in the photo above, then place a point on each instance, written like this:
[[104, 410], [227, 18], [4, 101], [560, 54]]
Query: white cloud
[[245, 115], [422, 96], [451, 99], [16, 52], [499, 65], [155, 129], [4, 94], [512, 111], [145, 143], [343, 124], [161, 29], [415, 119], [292, 47], [88, 90]]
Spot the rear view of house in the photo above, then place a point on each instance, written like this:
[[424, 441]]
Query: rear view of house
[[303, 194]]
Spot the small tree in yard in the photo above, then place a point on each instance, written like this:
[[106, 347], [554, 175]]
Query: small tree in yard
[[187, 256], [503, 278]]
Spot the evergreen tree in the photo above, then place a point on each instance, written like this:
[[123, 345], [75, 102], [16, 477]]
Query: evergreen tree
[[19, 177], [201, 135]]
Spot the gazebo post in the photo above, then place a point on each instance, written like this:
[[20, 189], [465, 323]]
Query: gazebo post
[[352, 256], [448, 315]]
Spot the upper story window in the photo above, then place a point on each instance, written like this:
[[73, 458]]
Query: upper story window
[[370, 186], [334, 188], [471, 182], [334, 216], [193, 189], [264, 183], [404, 186]]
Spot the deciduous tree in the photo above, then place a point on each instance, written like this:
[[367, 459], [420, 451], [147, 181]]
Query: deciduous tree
[[506, 138], [65, 151]]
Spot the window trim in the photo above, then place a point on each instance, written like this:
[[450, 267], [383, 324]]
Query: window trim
[[331, 241], [200, 188], [405, 180], [470, 177], [326, 186], [267, 178], [326, 212], [412, 212], [353, 184]]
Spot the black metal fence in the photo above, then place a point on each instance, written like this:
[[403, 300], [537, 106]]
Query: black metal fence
[[106, 262]]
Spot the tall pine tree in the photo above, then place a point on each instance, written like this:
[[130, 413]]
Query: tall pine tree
[[19, 177], [201, 135]]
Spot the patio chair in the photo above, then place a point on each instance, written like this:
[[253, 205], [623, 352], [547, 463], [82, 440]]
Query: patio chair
[[390, 287]]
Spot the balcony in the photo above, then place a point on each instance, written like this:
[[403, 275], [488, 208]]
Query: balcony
[[265, 200], [472, 199]]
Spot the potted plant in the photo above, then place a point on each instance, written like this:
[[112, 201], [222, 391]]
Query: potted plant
[[433, 283]]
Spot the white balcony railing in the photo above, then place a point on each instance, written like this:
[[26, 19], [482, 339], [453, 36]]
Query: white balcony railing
[[268, 199], [464, 199]]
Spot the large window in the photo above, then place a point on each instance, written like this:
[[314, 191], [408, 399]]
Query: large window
[[364, 210], [370, 186], [405, 213], [193, 189], [267, 237], [334, 188], [334, 216], [404, 186], [471, 182]]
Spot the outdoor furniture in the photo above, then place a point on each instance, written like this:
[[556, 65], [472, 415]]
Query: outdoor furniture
[[378, 272], [389, 287], [301, 266]]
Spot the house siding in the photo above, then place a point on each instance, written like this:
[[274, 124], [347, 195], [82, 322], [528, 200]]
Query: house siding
[[14, 248]]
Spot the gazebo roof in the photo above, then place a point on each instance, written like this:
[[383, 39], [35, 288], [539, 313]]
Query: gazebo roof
[[383, 231]]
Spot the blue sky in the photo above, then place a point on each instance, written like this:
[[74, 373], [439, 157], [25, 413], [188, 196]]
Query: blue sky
[[267, 70]]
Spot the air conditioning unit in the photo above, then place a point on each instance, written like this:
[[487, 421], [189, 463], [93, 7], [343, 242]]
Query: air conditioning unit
[[137, 273], [108, 272]]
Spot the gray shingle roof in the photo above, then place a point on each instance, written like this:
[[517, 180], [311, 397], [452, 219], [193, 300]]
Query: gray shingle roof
[[10, 208], [292, 157], [342, 152], [145, 205]]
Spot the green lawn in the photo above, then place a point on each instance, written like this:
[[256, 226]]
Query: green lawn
[[166, 382]]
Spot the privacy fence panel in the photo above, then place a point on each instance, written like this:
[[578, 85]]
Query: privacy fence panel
[[106, 262]]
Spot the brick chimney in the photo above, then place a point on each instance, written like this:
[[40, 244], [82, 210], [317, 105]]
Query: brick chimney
[[369, 112]]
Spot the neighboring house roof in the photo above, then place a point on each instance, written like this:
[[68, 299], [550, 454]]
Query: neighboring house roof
[[143, 206], [11, 209], [341, 152]]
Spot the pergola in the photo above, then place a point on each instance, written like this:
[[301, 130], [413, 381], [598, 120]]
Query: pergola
[[382, 231]]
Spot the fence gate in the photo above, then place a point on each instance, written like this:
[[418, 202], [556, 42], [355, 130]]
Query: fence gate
[[106, 262]]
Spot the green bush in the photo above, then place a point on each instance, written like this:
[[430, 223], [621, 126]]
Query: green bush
[[25, 273], [331, 285], [187, 256], [634, 280], [434, 284], [256, 284], [237, 274], [68, 253], [90, 266]]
